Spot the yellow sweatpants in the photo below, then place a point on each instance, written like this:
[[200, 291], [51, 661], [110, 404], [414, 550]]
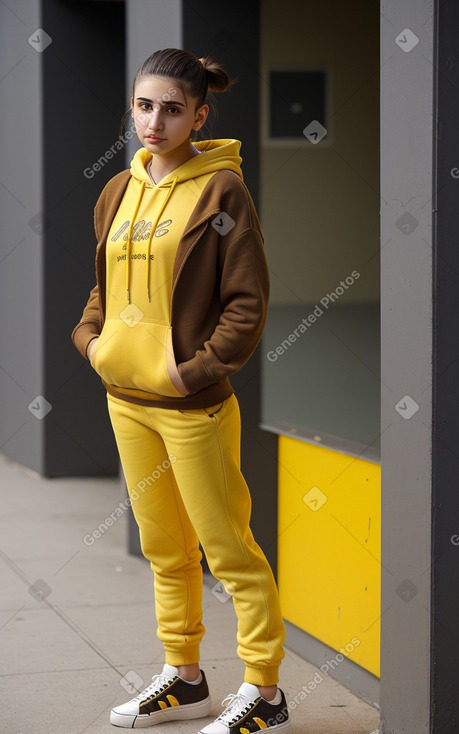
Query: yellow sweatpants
[[182, 470]]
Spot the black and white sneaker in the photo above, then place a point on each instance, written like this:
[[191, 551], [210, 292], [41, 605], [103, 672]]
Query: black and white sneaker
[[248, 712], [167, 698]]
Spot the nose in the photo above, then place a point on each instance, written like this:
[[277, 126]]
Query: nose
[[154, 122]]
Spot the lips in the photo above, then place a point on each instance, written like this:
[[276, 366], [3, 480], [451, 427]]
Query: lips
[[154, 139]]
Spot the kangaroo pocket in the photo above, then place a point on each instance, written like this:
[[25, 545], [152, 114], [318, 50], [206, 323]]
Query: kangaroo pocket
[[136, 356]]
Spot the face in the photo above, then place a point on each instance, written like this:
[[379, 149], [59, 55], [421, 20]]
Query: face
[[164, 116]]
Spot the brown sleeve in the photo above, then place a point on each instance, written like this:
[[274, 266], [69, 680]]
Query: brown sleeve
[[244, 293], [89, 324]]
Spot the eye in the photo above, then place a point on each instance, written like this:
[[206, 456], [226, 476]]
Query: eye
[[173, 110]]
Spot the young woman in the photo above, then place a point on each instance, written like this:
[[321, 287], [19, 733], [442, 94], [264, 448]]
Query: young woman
[[180, 305]]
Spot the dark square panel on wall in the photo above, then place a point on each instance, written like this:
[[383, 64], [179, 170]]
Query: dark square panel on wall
[[296, 97]]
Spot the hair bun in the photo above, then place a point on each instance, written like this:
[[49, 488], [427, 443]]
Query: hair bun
[[218, 80]]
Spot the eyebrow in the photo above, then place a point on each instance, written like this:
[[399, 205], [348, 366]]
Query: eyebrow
[[165, 102]]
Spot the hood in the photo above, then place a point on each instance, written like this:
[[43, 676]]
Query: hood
[[214, 155]]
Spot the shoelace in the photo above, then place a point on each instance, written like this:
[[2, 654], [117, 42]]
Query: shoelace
[[236, 706], [158, 683]]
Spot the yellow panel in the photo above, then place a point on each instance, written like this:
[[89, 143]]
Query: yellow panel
[[329, 548]]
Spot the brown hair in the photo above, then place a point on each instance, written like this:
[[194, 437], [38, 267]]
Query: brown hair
[[196, 77]]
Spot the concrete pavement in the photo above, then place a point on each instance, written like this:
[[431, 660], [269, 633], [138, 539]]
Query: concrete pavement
[[77, 624]]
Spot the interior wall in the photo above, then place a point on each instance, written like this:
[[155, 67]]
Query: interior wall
[[320, 203]]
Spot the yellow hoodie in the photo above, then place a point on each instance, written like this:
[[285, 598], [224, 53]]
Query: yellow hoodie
[[135, 349]]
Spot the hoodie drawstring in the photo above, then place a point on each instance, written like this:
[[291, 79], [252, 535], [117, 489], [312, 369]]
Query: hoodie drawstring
[[152, 234], [128, 244], [153, 228]]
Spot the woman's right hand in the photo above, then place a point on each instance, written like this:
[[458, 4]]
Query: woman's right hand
[[91, 347]]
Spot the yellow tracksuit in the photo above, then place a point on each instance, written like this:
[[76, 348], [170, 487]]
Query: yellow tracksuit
[[182, 467], [201, 497]]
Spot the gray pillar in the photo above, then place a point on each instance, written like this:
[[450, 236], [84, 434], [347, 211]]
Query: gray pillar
[[55, 58], [208, 28], [149, 27], [21, 305], [407, 79], [232, 38], [445, 416]]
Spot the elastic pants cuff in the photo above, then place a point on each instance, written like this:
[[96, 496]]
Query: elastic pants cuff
[[187, 657], [262, 676]]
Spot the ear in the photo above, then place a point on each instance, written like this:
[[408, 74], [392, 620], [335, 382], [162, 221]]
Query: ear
[[200, 116]]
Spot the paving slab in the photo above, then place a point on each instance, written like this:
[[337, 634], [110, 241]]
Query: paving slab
[[75, 618]]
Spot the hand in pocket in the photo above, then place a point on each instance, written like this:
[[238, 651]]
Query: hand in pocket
[[176, 379], [92, 347]]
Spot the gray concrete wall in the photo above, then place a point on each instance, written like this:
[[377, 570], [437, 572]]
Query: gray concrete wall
[[406, 295], [82, 107], [21, 244], [445, 415], [54, 57]]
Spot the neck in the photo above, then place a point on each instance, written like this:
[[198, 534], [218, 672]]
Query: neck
[[161, 165]]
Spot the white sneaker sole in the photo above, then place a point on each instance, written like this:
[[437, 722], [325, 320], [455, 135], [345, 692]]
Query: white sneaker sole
[[173, 713], [285, 728]]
